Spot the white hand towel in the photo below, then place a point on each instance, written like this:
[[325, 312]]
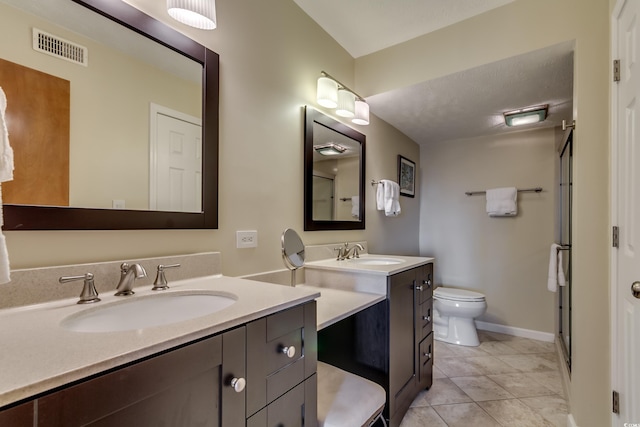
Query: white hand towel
[[380, 196], [556, 273], [6, 174], [502, 201], [355, 207], [391, 198]]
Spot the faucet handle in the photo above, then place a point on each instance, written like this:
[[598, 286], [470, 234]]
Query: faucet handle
[[160, 284], [89, 293]]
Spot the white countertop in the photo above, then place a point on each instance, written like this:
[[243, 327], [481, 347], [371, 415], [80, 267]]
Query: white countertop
[[354, 265], [335, 305], [38, 355]]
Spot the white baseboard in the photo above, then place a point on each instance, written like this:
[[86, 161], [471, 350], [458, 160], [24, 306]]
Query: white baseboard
[[517, 332], [571, 422]]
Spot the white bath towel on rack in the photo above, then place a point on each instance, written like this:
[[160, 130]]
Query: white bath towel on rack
[[388, 197], [6, 174], [502, 201], [556, 272]]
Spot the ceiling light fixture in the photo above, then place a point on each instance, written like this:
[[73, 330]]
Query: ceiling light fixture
[[330, 149], [199, 14], [333, 94], [525, 116]]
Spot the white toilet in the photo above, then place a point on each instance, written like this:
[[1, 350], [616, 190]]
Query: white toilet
[[454, 312]]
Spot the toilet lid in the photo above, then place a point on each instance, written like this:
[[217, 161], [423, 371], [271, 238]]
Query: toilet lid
[[457, 294]]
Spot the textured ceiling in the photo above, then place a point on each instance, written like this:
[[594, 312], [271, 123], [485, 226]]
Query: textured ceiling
[[470, 103], [462, 105]]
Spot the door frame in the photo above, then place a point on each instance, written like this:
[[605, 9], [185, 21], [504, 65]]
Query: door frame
[[154, 110]]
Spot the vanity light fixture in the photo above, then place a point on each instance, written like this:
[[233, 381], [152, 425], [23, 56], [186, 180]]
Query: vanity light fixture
[[333, 94], [199, 14], [330, 149], [525, 116]]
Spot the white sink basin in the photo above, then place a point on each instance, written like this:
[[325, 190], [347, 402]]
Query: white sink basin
[[375, 261], [141, 312]]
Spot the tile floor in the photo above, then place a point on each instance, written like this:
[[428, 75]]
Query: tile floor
[[506, 381]]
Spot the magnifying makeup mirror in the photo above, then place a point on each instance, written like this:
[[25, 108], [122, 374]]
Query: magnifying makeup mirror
[[292, 252]]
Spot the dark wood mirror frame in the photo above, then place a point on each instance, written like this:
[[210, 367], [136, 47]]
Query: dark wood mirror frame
[[27, 217], [314, 116]]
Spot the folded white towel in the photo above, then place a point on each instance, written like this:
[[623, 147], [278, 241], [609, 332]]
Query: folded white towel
[[389, 194], [355, 207], [556, 272], [502, 201]]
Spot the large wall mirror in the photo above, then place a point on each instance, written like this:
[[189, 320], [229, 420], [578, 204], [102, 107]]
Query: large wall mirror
[[334, 165], [113, 118]]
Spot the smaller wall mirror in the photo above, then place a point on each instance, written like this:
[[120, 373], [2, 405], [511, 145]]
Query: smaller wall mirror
[[334, 166]]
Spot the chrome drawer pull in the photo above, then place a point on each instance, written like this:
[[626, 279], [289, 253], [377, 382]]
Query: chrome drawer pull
[[419, 288], [427, 282], [427, 355], [238, 384], [427, 318], [290, 351]]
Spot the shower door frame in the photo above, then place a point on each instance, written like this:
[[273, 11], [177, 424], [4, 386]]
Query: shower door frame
[[565, 216]]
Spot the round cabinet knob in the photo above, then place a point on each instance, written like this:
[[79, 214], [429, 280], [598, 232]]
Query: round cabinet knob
[[238, 384], [427, 282], [427, 318], [290, 351], [427, 355], [635, 289], [419, 288]]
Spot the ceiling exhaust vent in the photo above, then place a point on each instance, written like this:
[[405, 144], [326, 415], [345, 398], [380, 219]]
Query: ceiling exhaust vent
[[60, 48]]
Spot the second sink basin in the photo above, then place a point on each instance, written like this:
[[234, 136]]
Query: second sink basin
[[147, 311], [375, 261]]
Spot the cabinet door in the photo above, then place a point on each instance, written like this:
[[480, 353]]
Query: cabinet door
[[18, 416], [181, 387], [402, 363], [425, 370], [296, 408]]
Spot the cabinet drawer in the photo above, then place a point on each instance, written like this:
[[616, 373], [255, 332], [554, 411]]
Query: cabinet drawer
[[424, 282], [296, 408], [425, 369], [425, 312]]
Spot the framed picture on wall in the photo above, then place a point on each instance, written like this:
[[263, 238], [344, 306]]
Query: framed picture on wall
[[406, 177]]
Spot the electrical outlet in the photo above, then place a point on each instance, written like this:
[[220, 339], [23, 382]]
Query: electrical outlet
[[247, 239]]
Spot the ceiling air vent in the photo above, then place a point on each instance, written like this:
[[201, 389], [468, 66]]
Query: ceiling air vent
[[60, 48]]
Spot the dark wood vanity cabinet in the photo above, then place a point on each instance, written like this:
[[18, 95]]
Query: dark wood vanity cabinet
[[391, 342], [193, 385]]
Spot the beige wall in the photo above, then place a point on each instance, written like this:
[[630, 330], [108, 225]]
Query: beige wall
[[505, 258], [520, 27], [271, 54], [105, 124]]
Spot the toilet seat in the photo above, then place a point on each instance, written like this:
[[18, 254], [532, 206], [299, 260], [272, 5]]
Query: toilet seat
[[452, 294]]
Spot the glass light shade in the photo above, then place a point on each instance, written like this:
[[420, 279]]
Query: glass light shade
[[362, 113], [346, 103], [526, 116], [199, 14], [327, 92]]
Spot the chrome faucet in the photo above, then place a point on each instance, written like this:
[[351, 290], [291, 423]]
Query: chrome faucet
[[128, 274], [346, 252]]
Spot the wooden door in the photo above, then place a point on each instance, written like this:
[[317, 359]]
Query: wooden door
[[38, 120]]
